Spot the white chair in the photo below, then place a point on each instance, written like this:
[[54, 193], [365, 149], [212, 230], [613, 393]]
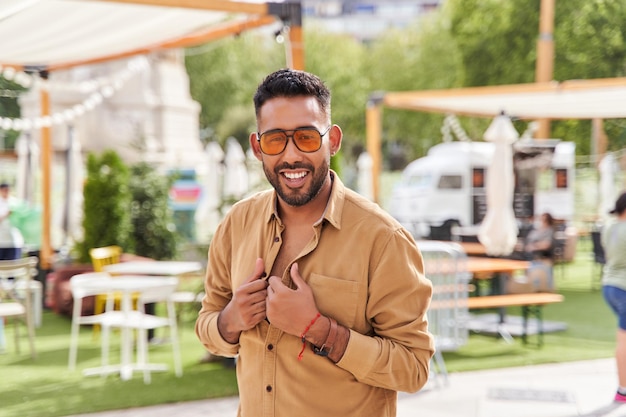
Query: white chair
[[142, 322], [16, 296], [89, 284], [445, 265]]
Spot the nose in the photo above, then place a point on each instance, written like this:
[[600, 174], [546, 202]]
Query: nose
[[291, 152]]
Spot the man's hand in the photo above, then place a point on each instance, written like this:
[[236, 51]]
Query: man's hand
[[290, 310], [247, 307]]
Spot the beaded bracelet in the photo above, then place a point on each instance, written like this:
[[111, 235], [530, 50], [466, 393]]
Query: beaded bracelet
[[302, 336]]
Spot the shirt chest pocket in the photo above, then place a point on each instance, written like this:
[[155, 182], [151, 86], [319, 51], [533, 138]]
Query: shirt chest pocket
[[336, 298]]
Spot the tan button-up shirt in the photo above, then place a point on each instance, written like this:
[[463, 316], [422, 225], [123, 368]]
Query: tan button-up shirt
[[365, 272]]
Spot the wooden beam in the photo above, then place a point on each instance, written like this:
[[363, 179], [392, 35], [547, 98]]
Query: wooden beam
[[373, 130], [45, 254], [296, 44], [544, 71]]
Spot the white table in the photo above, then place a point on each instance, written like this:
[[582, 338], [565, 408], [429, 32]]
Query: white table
[[162, 268], [128, 285]]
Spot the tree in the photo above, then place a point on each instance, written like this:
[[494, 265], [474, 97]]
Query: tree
[[225, 76], [497, 40], [153, 231], [106, 219], [339, 60], [465, 43]]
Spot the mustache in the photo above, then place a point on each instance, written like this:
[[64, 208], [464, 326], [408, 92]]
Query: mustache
[[298, 165]]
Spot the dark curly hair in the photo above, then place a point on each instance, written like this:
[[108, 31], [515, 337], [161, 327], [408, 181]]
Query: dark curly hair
[[292, 83]]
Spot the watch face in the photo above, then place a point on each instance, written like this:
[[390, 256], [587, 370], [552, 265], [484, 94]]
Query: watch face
[[320, 351]]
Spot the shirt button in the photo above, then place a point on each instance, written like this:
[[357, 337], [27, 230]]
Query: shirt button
[[276, 239], [270, 346], [268, 388]]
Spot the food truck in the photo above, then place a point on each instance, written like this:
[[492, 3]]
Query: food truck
[[447, 187]]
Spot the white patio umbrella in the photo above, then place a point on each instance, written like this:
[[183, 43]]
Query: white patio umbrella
[[236, 183], [27, 167], [607, 186], [498, 230], [208, 213], [75, 178], [364, 178]]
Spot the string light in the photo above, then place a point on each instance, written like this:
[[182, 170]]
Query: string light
[[98, 89]]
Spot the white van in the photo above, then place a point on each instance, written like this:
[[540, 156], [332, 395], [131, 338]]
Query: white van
[[447, 187]]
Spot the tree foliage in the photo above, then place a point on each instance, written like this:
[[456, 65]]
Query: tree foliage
[[107, 198], [153, 231], [465, 43], [498, 42], [9, 107]]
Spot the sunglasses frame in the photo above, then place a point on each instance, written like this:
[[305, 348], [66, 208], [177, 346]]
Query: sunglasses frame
[[293, 132]]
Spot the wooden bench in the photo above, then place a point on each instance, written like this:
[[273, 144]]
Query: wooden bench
[[531, 304]]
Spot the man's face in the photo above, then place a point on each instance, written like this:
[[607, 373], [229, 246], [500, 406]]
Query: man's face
[[296, 176], [4, 192]]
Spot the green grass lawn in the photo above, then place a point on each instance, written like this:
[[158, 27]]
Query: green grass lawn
[[46, 388]]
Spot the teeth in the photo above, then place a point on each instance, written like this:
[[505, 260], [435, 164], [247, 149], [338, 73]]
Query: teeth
[[294, 176]]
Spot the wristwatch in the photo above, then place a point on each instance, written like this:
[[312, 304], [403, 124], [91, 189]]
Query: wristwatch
[[327, 346]]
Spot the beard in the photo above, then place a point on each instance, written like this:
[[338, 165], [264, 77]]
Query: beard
[[298, 197]]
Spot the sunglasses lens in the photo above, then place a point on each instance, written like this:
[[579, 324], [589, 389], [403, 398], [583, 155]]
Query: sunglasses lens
[[273, 143], [307, 140]]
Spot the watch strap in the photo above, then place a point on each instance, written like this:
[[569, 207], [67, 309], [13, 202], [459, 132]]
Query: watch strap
[[327, 346]]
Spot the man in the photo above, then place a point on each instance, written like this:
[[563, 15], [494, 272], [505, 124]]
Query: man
[[319, 292]]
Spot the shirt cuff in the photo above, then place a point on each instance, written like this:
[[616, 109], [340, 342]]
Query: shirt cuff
[[222, 347], [359, 355]]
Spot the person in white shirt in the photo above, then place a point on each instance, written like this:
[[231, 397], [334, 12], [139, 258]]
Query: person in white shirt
[[11, 240]]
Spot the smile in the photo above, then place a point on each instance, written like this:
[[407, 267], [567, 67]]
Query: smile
[[294, 175]]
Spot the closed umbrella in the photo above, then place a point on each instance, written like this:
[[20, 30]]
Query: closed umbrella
[[208, 213], [364, 179], [498, 230], [27, 167], [236, 183], [74, 181], [607, 186]]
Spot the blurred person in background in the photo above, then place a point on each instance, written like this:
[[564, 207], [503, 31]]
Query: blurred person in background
[[540, 240], [11, 241], [614, 284]]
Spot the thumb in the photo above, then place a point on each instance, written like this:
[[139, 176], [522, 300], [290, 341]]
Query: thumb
[[296, 278], [259, 270]]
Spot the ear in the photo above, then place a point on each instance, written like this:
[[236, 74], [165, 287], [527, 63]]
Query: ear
[[254, 145], [335, 136]]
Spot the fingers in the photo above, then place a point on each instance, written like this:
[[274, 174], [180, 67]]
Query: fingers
[[276, 284], [258, 272]]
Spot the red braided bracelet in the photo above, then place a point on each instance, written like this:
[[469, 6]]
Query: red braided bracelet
[[304, 334]]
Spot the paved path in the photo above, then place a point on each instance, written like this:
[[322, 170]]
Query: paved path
[[574, 389]]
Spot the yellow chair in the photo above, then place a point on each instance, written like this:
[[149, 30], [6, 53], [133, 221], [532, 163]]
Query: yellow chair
[[101, 257], [107, 255]]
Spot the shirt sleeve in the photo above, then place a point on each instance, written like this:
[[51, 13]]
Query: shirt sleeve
[[218, 292], [397, 355]]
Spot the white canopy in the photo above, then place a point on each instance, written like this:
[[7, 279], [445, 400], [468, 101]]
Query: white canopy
[[52, 34], [49, 35], [575, 99]]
